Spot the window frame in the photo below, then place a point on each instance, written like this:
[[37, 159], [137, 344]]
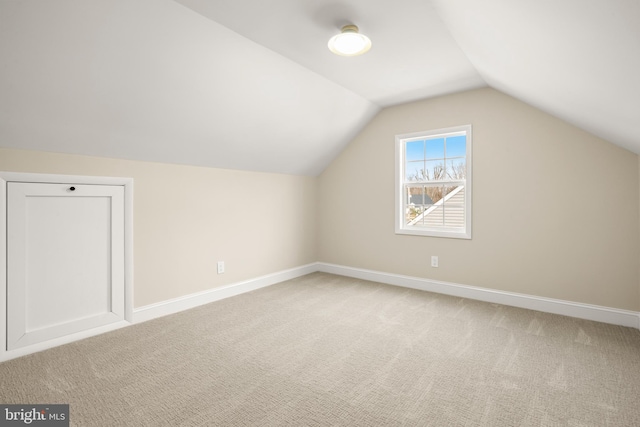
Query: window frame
[[400, 200]]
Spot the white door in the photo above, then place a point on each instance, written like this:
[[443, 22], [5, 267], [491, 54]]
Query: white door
[[65, 259]]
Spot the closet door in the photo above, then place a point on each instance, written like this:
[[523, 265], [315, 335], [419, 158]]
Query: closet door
[[65, 259]]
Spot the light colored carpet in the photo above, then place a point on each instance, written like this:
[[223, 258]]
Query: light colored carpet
[[325, 350]]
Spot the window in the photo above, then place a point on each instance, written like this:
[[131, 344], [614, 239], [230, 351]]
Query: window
[[433, 183]]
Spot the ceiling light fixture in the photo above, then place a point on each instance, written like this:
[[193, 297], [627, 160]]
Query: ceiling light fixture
[[349, 42]]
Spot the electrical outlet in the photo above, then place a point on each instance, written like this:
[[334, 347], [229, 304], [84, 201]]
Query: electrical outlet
[[434, 261], [220, 267]]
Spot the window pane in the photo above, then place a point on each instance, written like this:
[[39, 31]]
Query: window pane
[[435, 148], [454, 194], [414, 199], [454, 206], [415, 195], [411, 194], [434, 194], [413, 171], [434, 170], [415, 214], [433, 216], [454, 215], [414, 150], [456, 146], [456, 169]]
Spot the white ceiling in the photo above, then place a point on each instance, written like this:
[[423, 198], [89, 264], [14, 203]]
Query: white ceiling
[[576, 59], [413, 55], [250, 84]]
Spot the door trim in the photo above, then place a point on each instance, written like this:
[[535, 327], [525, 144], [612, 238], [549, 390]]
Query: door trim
[[127, 183]]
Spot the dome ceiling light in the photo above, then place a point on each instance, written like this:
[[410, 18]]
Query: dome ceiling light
[[349, 42]]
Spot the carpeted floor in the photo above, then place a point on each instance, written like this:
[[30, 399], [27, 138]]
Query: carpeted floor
[[325, 350]]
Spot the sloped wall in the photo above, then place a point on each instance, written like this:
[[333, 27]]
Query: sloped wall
[[555, 209]]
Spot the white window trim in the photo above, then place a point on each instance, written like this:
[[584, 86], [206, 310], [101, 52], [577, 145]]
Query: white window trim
[[400, 227]]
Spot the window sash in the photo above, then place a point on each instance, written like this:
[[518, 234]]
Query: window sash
[[416, 215]]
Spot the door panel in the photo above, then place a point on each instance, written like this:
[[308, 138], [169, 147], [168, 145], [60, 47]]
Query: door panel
[[65, 259]]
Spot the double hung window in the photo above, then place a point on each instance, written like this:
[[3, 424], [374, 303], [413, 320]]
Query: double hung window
[[433, 183]]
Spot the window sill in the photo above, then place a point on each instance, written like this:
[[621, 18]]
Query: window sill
[[451, 234]]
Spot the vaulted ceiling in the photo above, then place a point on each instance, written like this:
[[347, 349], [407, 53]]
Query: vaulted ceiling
[[250, 84]]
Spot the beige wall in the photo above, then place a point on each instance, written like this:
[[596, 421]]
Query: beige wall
[[555, 209], [187, 218]]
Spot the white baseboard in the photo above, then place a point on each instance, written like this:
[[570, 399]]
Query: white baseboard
[[55, 342], [186, 302], [549, 305]]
